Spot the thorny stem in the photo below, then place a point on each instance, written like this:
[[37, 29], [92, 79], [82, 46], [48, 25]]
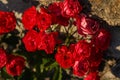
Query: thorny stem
[[57, 27], [66, 30], [73, 32], [67, 41], [70, 25]]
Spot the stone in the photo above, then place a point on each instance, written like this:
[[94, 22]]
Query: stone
[[108, 10]]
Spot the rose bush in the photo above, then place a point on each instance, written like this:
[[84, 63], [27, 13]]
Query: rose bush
[[50, 46]]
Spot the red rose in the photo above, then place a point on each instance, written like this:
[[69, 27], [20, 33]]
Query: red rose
[[3, 58], [62, 20], [95, 59], [92, 76], [29, 40], [55, 9], [15, 65], [82, 50], [64, 57], [43, 10], [7, 22], [86, 26], [46, 42], [102, 40], [44, 20], [72, 48], [29, 18], [55, 12], [70, 8], [81, 67]]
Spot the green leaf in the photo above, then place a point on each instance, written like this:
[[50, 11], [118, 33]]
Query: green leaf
[[4, 75], [57, 74], [27, 75], [53, 65]]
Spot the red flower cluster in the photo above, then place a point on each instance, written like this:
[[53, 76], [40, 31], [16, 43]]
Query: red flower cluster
[[14, 64], [56, 13], [40, 40], [84, 56], [7, 22], [32, 18]]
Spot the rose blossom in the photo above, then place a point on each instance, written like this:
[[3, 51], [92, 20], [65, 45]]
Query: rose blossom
[[64, 57], [3, 58], [7, 22], [86, 25], [95, 59], [55, 9], [62, 20], [46, 42], [29, 40], [102, 39], [44, 20], [15, 65], [82, 50], [29, 18], [57, 17], [70, 8], [92, 76], [81, 67]]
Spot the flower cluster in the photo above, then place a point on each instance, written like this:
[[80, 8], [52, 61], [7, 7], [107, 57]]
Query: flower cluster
[[76, 40], [83, 56], [14, 64]]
